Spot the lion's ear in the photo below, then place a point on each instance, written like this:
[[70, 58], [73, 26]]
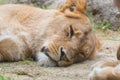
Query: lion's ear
[[71, 31]]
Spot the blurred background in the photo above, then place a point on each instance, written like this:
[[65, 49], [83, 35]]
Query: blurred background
[[103, 13]]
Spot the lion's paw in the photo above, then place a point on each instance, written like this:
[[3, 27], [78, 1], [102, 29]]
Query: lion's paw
[[45, 61]]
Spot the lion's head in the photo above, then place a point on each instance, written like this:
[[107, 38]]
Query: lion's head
[[71, 44]]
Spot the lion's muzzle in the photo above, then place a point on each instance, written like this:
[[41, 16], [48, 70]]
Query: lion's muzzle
[[46, 58]]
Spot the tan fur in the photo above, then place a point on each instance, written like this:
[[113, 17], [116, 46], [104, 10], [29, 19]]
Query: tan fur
[[27, 31], [106, 70], [74, 8], [118, 53], [117, 3]]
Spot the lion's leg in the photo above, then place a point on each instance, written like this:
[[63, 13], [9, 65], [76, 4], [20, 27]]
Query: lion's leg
[[73, 14], [81, 5], [103, 71], [111, 64], [116, 72], [105, 64], [99, 73], [9, 50], [66, 6]]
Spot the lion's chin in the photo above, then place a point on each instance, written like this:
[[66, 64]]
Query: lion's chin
[[45, 61]]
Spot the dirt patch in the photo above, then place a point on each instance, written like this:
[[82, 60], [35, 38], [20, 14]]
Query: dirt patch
[[30, 70]]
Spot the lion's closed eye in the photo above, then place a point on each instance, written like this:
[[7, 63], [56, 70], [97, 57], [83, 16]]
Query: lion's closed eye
[[73, 32], [69, 32]]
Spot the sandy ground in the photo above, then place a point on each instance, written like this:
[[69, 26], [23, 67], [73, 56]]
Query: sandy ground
[[30, 70]]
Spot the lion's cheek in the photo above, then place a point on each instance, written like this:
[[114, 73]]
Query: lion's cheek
[[44, 60]]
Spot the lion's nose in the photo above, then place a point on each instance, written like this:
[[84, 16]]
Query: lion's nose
[[63, 56], [42, 49]]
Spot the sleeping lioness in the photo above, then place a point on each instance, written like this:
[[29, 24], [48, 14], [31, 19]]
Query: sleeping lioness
[[53, 40]]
